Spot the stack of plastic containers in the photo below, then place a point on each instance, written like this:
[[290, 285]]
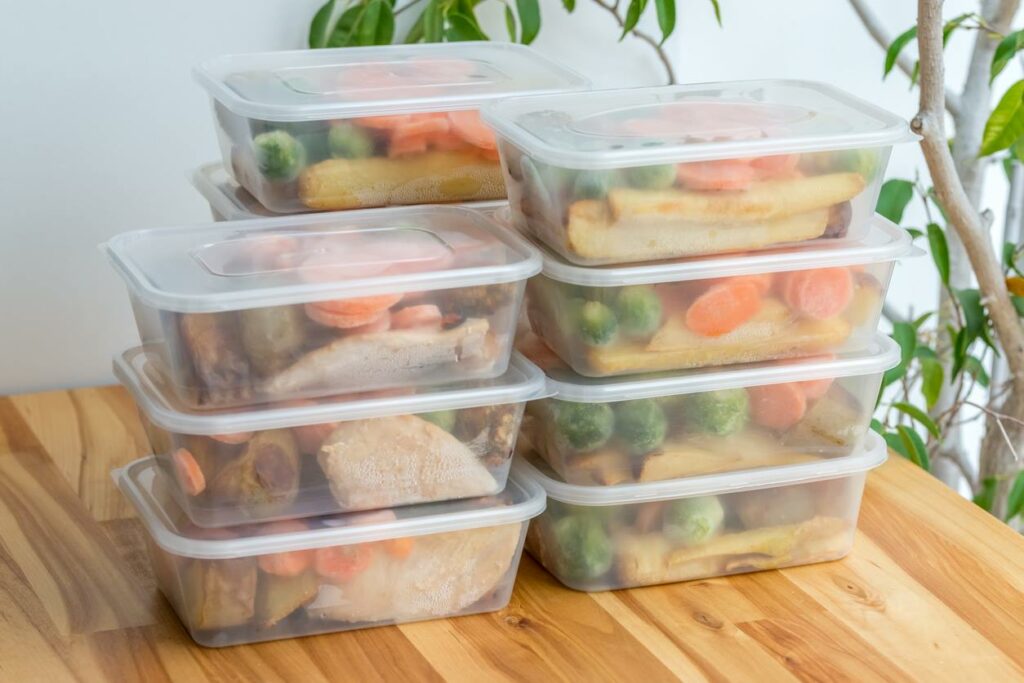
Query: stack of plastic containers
[[722, 236], [332, 399]]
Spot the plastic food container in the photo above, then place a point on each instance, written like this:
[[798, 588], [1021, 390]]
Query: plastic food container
[[343, 454], [625, 430], [229, 201], [304, 306], [364, 127], [337, 573], [595, 538], [819, 297], [620, 176]]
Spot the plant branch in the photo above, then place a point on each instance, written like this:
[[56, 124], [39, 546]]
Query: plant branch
[[658, 48], [412, 3]]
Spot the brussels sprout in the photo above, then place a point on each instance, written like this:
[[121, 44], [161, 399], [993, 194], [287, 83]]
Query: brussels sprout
[[718, 412], [692, 520], [445, 419], [590, 185], [651, 177], [597, 323], [349, 142], [641, 424], [638, 308], [585, 426], [585, 551], [279, 155]]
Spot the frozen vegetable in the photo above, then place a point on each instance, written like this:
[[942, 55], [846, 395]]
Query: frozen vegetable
[[590, 185], [638, 308], [641, 424], [347, 141], [585, 426], [586, 551], [690, 521], [597, 323], [777, 406], [718, 412], [279, 156], [272, 336], [656, 177]]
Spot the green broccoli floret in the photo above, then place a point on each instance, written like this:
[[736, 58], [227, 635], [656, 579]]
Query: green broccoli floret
[[585, 550], [692, 520], [349, 142], [651, 177], [279, 155], [445, 419], [638, 308], [585, 426], [597, 323], [641, 424], [590, 185], [718, 412]]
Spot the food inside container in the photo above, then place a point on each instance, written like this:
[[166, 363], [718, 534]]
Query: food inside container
[[670, 425], [595, 538], [298, 307], [820, 297], [340, 454], [619, 176], [367, 127], [337, 573]]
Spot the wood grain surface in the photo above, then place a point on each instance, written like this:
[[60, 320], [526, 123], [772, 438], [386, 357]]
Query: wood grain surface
[[933, 591]]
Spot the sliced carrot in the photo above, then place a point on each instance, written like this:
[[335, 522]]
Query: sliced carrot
[[815, 388], [233, 439], [289, 563], [776, 165], [447, 142], [365, 304], [383, 122], [489, 154], [821, 293], [467, 125], [399, 548], [728, 174], [416, 317], [343, 562], [723, 308], [763, 281], [381, 324], [423, 124], [777, 406], [339, 320], [402, 145], [188, 472]]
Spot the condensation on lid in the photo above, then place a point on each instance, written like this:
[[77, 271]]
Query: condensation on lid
[[316, 257], [141, 481], [532, 468], [302, 85], [622, 128]]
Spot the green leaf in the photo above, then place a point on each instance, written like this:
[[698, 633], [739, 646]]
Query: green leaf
[[1005, 51], [1010, 255], [462, 28], [510, 23], [877, 426], [718, 12], [976, 369], [914, 233], [925, 352], [569, 5], [894, 442], [975, 318], [914, 445], [922, 319], [987, 495], [529, 19], [932, 376], [320, 27], [918, 415], [893, 198], [906, 336], [433, 22], [666, 17], [346, 30], [940, 251], [636, 8], [896, 46], [1015, 499], [1005, 124], [1018, 303], [378, 24], [953, 24], [961, 340]]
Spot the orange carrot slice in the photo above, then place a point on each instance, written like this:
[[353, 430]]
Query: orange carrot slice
[[728, 174], [763, 281], [188, 472], [289, 563], [775, 166], [447, 142], [366, 304], [467, 125], [381, 324], [815, 388], [402, 145], [723, 308], [821, 293], [233, 439], [416, 317], [339, 320], [777, 406], [423, 124], [383, 122], [399, 548], [343, 562]]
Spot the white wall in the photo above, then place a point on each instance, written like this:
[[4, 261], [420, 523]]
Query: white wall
[[102, 122]]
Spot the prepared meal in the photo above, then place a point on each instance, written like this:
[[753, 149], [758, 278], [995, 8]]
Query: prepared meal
[[341, 454], [229, 201], [653, 427], [820, 297], [304, 306], [619, 176], [365, 127], [336, 573], [595, 538]]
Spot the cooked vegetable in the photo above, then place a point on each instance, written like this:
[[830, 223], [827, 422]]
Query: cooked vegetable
[[693, 520], [723, 307], [718, 412], [278, 596], [266, 472], [638, 308], [349, 142], [279, 155], [272, 336], [585, 426], [219, 593], [445, 419], [585, 551], [597, 323], [590, 185], [777, 406], [651, 177], [820, 293], [641, 424]]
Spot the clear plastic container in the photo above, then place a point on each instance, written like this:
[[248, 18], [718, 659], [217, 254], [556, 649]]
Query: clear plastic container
[[229, 201], [595, 538], [276, 309], [343, 454], [337, 573], [364, 127], [620, 176], [654, 427], [819, 297]]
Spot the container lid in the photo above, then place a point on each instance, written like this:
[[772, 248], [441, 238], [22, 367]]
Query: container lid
[[140, 482], [522, 381], [305, 85], [532, 468], [633, 127], [564, 384], [884, 241], [317, 257]]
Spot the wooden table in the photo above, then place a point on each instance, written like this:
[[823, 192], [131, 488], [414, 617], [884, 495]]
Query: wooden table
[[934, 590]]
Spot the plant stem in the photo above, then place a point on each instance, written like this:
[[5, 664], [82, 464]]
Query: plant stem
[[613, 9], [412, 3]]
